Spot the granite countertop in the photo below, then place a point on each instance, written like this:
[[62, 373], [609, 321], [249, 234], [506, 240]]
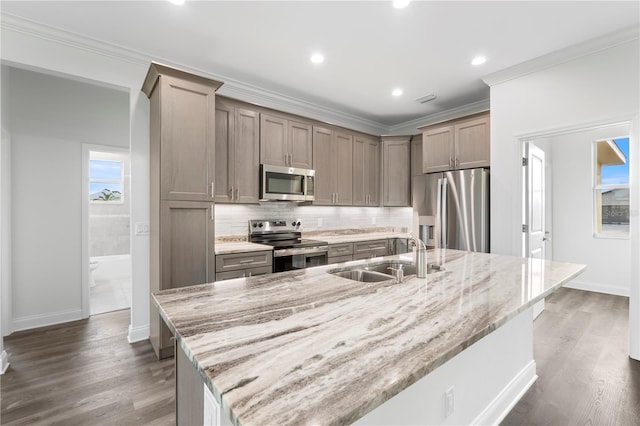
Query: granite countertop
[[308, 347], [239, 243], [239, 247]]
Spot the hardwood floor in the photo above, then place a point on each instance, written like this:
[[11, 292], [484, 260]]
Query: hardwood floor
[[585, 374], [85, 373]]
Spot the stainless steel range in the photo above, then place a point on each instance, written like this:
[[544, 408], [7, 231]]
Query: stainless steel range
[[290, 250]]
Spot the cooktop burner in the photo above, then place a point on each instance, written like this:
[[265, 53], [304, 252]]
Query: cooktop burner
[[280, 233]]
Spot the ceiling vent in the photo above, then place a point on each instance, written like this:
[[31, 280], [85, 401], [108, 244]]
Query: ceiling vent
[[427, 98]]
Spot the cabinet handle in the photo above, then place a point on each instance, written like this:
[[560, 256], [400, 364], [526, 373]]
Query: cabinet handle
[[245, 261], [213, 189], [450, 163], [231, 193], [212, 218], [456, 163], [238, 194]]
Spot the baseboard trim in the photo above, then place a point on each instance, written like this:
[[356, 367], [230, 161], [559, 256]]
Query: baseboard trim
[[4, 362], [42, 320], [502, 404], [597, 287], [138, 334]]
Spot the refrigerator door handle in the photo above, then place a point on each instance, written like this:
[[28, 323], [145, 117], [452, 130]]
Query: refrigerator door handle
[[444, 213]]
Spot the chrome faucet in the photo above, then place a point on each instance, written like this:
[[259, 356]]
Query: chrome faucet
[[398, 274], [421, 256]]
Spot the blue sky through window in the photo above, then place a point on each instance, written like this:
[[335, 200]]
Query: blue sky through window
[[105, 177], [619, 174], [105, 170]]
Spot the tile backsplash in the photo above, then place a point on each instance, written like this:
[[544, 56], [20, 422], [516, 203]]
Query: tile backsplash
[[233, 219]]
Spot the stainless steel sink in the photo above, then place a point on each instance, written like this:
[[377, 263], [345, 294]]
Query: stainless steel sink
[[384, 271]]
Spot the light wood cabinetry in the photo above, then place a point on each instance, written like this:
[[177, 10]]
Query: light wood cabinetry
[[396, 184], [237, 166], [369, 249], [366, 171], [239, 265], [285, 142], [182, 164], [333, 163], [458, 144]]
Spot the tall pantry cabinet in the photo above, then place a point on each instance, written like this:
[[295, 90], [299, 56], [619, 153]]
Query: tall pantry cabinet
[[182, 171]]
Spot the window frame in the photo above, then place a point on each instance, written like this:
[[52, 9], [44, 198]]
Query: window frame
[[599, 188], [107, 181]]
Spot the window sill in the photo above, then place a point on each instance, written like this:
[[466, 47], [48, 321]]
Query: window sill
[[611, 236]]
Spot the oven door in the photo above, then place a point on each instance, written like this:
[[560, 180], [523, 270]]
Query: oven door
[[290, 259]]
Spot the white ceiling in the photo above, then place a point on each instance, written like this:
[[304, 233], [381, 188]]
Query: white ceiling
[[370, 47]]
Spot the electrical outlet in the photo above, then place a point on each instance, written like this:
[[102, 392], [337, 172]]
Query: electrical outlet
[[449, 402], [319, 222], [142, 228]]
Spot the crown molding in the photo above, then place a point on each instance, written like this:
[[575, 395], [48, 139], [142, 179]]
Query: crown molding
[[411, 127], [567, 54]]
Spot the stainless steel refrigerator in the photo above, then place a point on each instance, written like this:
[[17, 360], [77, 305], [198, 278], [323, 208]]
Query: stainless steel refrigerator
[[453, 209]]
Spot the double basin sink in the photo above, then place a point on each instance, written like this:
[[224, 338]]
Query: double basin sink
[[383, 271]]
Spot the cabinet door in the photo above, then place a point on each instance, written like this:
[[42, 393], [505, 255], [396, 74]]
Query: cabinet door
[[323, 165], [273, 140], [247, 156], [187, 140], [359, 171], [396, 173], [225, 119], [343, 168], [437, 149], [300, 145], [472, 143], [416, 155], [372, 172], [186, 243]]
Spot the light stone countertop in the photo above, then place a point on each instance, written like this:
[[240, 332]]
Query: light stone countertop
[[308, 347], [239, 247], [355, 238]]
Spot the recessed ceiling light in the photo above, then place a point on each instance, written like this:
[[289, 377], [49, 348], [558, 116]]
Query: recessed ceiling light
[[400, 4], [397, 92], [178, 2], [478, 60], [317, 58]]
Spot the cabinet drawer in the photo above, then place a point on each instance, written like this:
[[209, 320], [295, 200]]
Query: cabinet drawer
[[243, 273], [340, 249], [340, 259], [234, 261], [378, 246]]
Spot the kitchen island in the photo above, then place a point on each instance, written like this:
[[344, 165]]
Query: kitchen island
[[309, 347]]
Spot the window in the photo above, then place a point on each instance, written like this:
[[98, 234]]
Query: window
[[611, 189], [105, 181]]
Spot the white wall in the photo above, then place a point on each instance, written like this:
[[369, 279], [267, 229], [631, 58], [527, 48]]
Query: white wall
[[607, 259], [5, 223], [596, 88], [232, 219], [50, 119]]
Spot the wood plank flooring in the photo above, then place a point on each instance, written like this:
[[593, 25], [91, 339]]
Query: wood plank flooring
[[86, 373], [585, 376]]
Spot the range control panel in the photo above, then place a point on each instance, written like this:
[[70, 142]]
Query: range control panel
[[270, 225]]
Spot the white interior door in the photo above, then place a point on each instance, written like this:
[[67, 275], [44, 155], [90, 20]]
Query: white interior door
[[536, 203]]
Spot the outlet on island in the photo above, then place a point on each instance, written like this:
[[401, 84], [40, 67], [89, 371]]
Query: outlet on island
[[448, 402]]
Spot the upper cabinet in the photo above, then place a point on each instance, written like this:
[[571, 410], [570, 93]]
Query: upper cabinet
[[185, 132], [333, 163], [416, 155], [237, 153], [396, 172], [366, 171], [458, 144], [285, 142]]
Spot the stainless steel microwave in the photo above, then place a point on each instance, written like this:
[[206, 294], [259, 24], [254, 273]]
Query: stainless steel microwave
[[279, 183]]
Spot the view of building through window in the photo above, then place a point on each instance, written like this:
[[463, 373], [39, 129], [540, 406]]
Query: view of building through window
[[105, 181], [612, 187]]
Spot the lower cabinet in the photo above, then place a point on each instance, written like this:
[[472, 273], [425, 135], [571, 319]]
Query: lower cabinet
[[369, 249], [242, 265], [340, 253]]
